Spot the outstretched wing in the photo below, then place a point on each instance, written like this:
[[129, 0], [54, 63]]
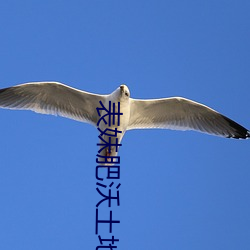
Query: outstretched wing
[[182, 114], [52, 98]]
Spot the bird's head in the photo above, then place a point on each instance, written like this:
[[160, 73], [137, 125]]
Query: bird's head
[[121, 93], [124, 91]]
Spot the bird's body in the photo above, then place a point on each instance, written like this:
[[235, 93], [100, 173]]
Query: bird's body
[[167, 113], [124, 107]]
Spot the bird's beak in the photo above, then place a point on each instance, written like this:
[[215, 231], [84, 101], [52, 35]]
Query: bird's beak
[[122, 88]]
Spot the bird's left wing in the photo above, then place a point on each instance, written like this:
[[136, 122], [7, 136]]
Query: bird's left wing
[[52, 98], [182, 114]]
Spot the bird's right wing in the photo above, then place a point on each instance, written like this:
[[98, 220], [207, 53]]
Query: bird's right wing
[[52, 98], [182, 114]]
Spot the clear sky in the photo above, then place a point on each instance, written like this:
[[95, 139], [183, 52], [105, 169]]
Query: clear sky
[[180, 190]]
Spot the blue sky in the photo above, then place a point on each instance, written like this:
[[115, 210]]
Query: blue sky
[[180, 190]]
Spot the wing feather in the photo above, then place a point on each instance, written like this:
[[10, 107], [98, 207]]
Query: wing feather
[[182, 114], [52, 98]]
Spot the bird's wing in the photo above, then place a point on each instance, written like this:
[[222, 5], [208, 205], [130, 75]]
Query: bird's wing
[[182, 114], [52, 98]]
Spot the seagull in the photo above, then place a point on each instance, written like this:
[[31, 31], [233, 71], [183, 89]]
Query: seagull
[[176, 113]]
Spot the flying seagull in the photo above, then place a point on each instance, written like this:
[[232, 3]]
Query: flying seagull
[[167, 113]]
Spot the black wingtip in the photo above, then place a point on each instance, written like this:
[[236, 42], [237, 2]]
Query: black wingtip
[[3, 90], [248, 134], [239, 131]]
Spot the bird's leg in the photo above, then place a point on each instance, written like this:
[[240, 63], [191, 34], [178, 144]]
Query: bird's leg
[[108, 154]]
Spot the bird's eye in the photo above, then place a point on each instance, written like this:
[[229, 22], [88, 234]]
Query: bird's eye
[[126, 93]]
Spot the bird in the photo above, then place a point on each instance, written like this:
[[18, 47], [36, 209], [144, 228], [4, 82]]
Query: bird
[[175, 113]]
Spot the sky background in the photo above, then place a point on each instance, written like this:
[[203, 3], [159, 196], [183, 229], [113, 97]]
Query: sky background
[[180, 190]]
